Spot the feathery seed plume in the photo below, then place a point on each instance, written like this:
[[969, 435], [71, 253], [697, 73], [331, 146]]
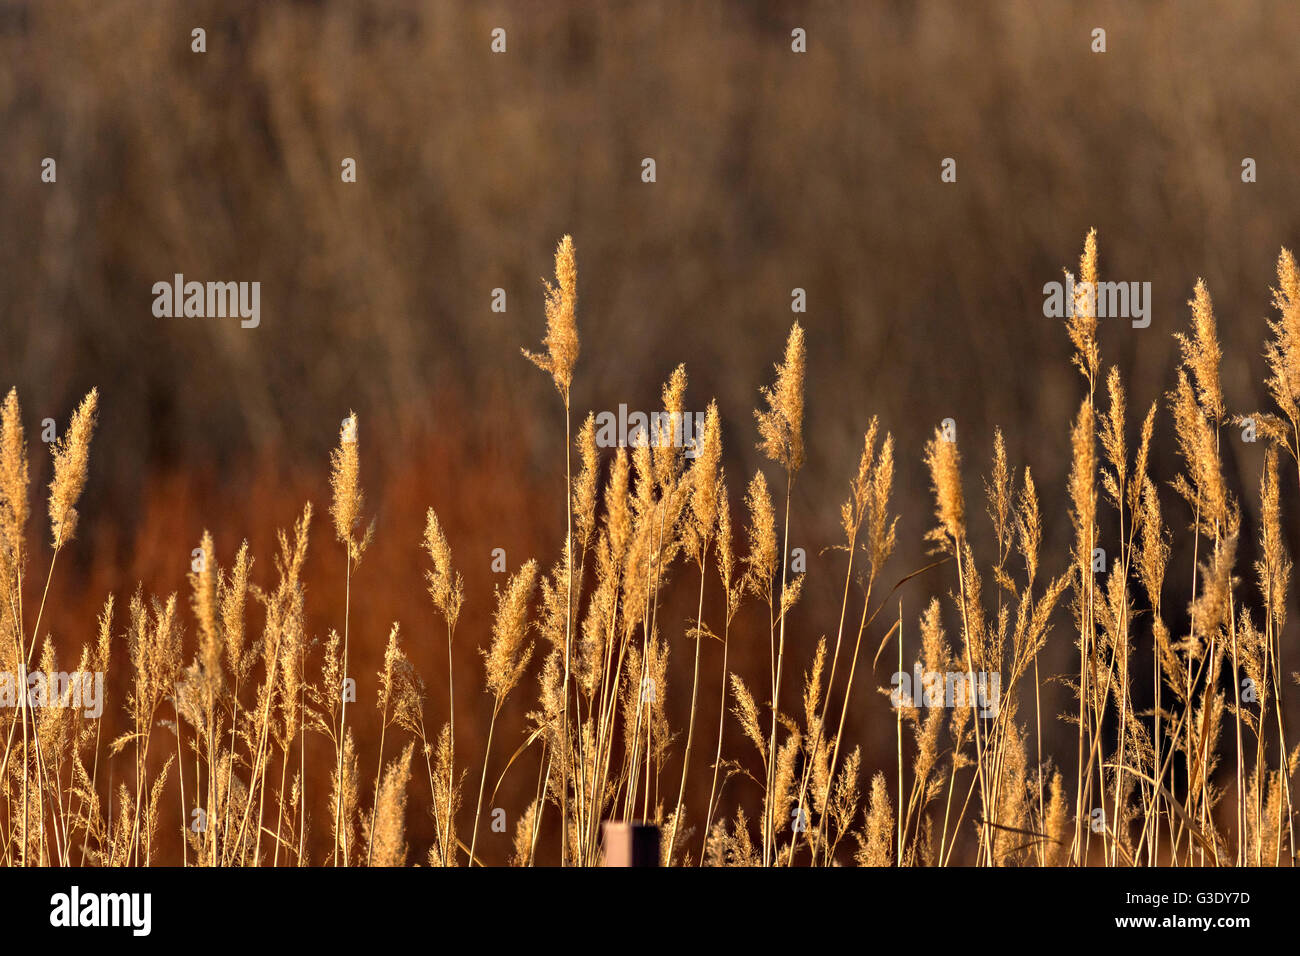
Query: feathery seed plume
[[445, 585], [944, 462], [781, 426], [1082, 323], [13, 481], [584, 490], [508, 656], [760, 563], [1201, 353], [561, 321], [345, 485], [71, 459], [388, 840]]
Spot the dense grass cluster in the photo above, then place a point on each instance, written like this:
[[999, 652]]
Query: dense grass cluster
[[1194, 769]]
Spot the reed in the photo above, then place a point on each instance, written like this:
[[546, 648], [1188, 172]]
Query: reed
[[1181, 771]]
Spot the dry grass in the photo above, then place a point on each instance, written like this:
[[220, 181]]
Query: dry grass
[[1197, 771]]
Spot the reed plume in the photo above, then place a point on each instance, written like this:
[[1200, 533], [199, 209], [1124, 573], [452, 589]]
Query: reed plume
[[561, 356], [780, 429], [561, 321], [387, 831], [1186, 769], [345, 509], [71, 463], [505, 659]]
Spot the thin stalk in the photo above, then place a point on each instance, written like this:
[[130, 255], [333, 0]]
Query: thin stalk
[[451, 750], [496, 709], [722, 718], [568, 631], [769, 841], [695, 689], [343, 715]]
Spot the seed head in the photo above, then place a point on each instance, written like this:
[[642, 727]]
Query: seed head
[[561, 321], [71, 460], [781, 426]]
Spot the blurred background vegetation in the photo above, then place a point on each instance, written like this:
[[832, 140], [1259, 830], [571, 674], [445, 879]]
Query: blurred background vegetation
[[774, 171]]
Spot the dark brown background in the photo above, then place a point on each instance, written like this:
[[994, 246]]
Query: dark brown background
[[775, 170]]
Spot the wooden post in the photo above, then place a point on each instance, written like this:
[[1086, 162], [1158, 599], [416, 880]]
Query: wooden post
[[630, 844]]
